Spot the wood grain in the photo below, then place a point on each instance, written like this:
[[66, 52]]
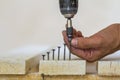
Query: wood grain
[[19, 64], [109, 68], [72, 67], [37, 76]]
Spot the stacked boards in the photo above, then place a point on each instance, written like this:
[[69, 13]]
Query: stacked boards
[[29, 64], [78, 67]]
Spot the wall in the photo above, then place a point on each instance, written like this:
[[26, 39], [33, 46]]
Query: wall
[[39, 22]]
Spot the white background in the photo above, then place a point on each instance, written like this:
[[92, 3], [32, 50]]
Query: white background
[[39, 22]]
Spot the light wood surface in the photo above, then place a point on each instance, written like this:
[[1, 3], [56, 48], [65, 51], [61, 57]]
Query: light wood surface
[[17, 64], [109, 68], [72, 67], [37, 76]]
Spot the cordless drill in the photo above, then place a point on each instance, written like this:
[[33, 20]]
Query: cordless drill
[[69, 8]]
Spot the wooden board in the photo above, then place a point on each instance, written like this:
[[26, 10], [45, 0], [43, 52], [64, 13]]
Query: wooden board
[[19, 64], [37, 76], [109, 68], [72, 67]]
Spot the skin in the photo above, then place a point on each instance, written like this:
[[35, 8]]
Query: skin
[[97, 46]]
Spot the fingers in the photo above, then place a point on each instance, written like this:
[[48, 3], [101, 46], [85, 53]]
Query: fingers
[[90, 55], [85, 48], [79, 34], [78, 52], [65, 38], [75, 34], [87, 43]]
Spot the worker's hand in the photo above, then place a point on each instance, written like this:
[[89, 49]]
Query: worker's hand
[[96, 46]]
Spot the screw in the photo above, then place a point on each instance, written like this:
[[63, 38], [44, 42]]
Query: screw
[[48, 53], [43, 76], [59, 52], [70, 53], [43, 57], [53, 54], [64, 51]]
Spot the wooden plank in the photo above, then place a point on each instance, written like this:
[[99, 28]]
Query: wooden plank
[[109, 68], [37, 76], [19, 64], [78, 77], [72, 67]]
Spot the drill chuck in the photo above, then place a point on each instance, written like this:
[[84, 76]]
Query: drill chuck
[[68, 8]]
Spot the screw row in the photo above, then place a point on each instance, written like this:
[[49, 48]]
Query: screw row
[[53, 54]]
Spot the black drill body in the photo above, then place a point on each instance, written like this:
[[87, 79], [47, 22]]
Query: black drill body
[[68, 8]]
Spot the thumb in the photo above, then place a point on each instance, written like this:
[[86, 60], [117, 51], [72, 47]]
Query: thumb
[[86, 43]]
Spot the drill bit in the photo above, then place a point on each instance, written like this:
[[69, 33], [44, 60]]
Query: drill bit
[[69, 30]]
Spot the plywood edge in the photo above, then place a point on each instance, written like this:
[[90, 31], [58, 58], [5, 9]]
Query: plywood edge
[[12, 67], [19, 65], [32, 64], [72, 67], [109, 68]]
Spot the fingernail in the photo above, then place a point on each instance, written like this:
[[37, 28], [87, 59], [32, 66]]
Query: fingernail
[[74, 42]]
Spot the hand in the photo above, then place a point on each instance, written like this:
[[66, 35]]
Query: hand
[[96, 46]]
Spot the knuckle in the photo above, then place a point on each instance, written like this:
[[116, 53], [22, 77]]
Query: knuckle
[[91, 59], [63, 31]]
